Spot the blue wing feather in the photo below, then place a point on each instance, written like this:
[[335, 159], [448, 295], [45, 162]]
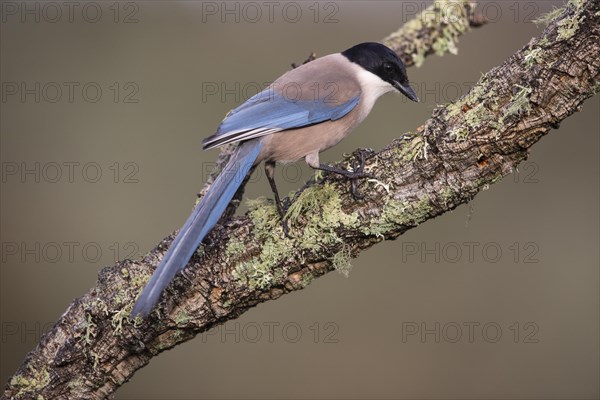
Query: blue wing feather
[[268, 112]]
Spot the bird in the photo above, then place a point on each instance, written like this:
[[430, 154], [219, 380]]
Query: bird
[[302, 113]]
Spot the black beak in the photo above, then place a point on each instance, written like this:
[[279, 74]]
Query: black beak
[[407, 91]]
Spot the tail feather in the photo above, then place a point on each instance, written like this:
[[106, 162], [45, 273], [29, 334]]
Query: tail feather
[[199, 224]]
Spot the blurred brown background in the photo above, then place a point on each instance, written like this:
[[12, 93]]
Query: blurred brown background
[[498, 299]]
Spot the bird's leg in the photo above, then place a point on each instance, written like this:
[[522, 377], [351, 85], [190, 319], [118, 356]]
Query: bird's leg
[[356, 173], [359, 168], [281, 208]]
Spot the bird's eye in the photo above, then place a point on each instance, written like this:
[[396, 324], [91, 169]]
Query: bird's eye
[[387, 67]]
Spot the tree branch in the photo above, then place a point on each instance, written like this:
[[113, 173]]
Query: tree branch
[[462, 149]]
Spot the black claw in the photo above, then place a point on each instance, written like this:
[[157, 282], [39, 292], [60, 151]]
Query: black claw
[[359, 169], [358, 172], [354, 192]]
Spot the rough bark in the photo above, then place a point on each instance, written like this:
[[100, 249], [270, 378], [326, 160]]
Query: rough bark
[[462, 149]]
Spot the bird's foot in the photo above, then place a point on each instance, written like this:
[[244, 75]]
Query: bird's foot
[[359, 168], [358, 172]]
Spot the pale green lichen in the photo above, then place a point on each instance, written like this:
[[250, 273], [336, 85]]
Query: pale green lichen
[[548, 17], [477, 115], [274, 251], [200, 251], [519, 104], [167, 340], [234, 248], [38, 379], [414, 149], [596, 88], [533, 56], [445, 44], [98, 306], [258, 271], [567, 27], [459, 133], [263, 279], [397, 213], [483, 184], [475, 97], [307, 279], [140, 279], [121, 304], [118, 318], [496, 178], [264, 216], [76, 383], [313, 220], [138, 320], [479, 105], [320, 207], [385, 186], [476, 112], [341, 261], [90, 329], [445, 19], [255, 273], [447, 195], [311, 200], [455, 108], [418, 59], [577, 3], [182, 317], [96, 361]]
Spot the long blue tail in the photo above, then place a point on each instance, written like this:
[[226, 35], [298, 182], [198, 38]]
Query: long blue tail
[[198, 225]]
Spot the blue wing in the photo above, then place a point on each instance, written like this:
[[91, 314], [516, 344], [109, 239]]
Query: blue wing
[[268, 112]]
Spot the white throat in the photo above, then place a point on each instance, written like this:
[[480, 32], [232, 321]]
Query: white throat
[[372, 87]]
